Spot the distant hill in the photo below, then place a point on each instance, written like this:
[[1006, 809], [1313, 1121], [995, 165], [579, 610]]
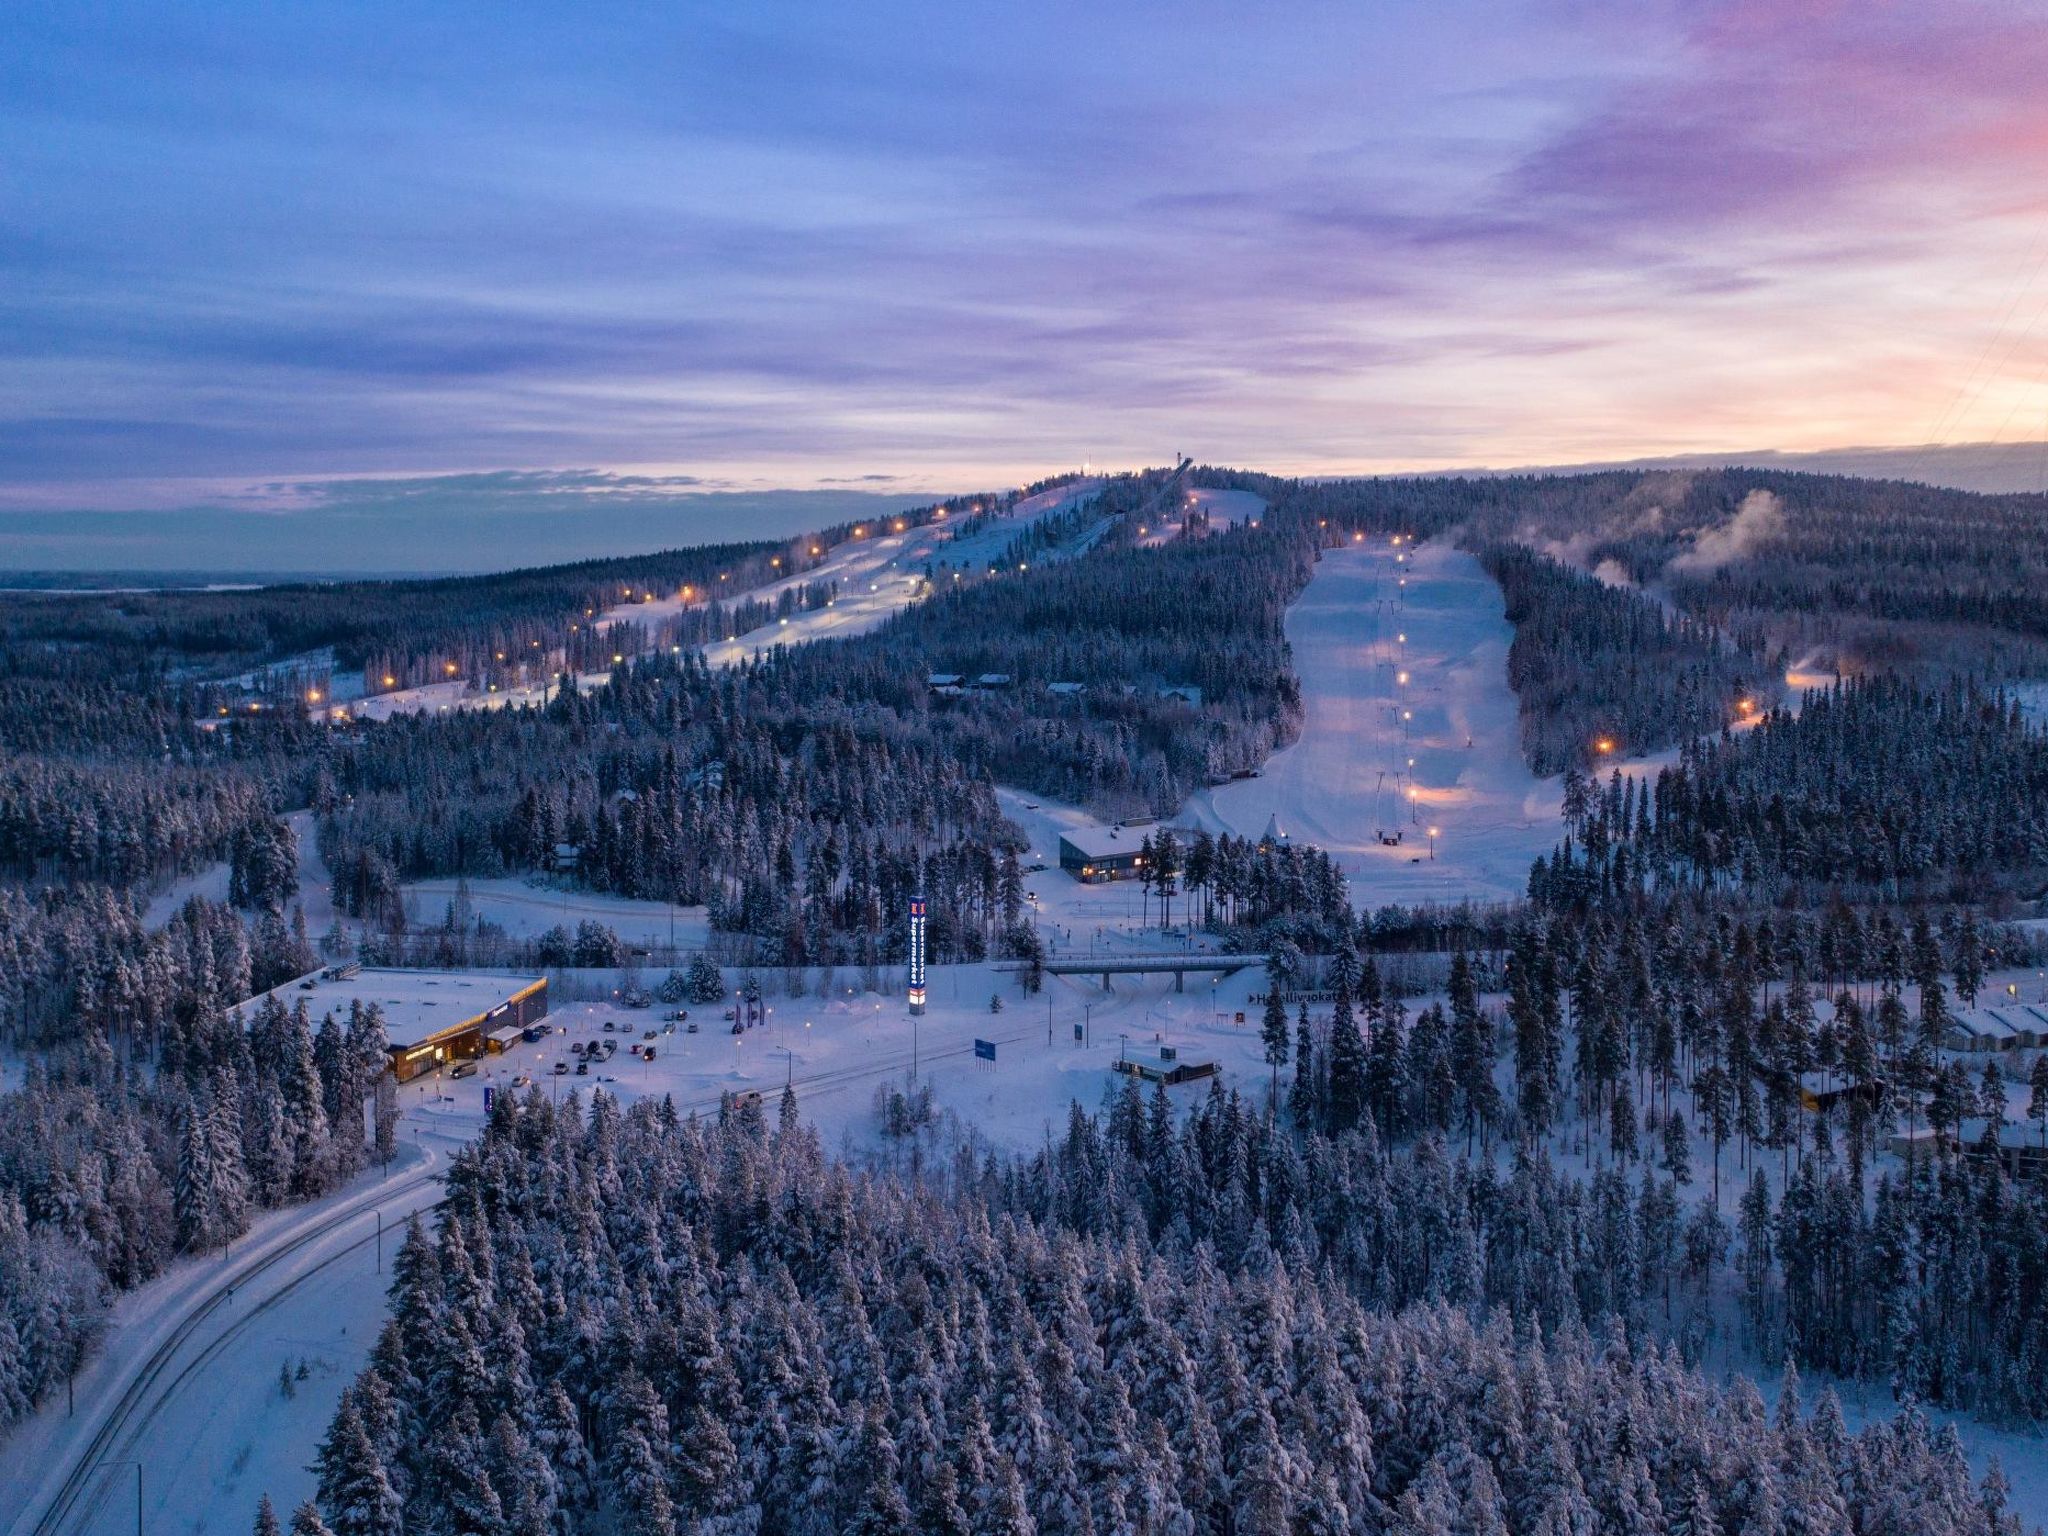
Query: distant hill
[[1990, 467]]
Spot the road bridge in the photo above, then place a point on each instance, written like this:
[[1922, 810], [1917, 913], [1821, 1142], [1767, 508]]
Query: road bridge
[[1174, 963]]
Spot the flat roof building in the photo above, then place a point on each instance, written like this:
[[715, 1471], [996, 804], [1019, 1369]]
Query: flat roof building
[[1165, 1067], [430, 1017]]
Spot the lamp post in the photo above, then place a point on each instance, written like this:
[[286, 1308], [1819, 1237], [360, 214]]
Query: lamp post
[[99, 1465], [1432, 843]]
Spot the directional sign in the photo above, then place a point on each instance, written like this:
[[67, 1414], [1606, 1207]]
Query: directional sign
[[984, 1050]]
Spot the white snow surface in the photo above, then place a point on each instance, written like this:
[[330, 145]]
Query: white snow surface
[[525, 909], [1354, 633]]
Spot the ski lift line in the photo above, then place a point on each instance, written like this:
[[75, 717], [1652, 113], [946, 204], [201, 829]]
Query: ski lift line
[[1997, 372], [2016, 287], [1974, 383]]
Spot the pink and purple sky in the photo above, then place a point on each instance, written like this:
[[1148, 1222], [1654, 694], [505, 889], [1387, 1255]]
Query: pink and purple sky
[[903, 245]]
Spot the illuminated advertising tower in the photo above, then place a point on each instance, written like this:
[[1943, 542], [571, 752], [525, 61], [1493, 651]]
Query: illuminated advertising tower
[[917, 954]]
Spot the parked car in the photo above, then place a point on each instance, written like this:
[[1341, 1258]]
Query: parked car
[[681, 1015], [522, 1081], [608, 1026], [533, 1032], [648, 1054], [690, 1028], [561, 1067], [582, 1069], [738, 1029], [464, 1069], [650, 1034]]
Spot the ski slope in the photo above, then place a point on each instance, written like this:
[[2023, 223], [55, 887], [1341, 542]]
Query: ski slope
[[1371, 616], [1225, 509], [880, 576]]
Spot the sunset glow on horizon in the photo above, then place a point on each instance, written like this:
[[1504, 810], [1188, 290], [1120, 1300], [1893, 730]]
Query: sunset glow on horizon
[[800, 247]]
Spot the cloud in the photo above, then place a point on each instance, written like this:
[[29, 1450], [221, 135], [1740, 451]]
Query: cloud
[[1376, 237]]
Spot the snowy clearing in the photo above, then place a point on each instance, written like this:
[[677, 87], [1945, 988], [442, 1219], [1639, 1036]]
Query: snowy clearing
[[525, 909]]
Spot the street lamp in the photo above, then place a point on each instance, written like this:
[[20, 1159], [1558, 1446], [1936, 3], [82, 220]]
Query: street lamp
[[100, 1465], [1432, 842]]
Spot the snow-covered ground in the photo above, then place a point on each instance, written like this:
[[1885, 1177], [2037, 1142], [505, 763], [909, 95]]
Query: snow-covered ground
[[316, 893], [1406, 690], [209, 1421], [524, 909]]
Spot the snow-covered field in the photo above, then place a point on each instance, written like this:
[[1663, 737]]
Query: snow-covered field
[[525, 910], [315, 888], [1406, 690]]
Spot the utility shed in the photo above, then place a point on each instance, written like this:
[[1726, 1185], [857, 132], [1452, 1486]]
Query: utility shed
[[1166, 1067]]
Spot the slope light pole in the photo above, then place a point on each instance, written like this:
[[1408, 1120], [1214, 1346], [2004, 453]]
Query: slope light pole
[[99, 1465]]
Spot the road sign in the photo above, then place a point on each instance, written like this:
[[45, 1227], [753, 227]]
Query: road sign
[[984, 1050], [490, 1097]]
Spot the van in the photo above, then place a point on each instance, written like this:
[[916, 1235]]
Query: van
[[464, 1069]]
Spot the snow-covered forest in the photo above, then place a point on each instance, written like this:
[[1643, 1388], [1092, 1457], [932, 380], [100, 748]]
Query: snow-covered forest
[[1881, 786], [1512, 1181], [1147, 1328]]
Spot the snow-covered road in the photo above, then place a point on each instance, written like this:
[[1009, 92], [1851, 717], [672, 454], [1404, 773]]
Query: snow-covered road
[[186, 1384]]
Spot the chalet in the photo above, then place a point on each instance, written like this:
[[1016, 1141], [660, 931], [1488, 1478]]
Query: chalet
[[1094, 854]]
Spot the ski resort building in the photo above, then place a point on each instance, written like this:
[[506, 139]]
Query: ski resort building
[[431, 1018], [1092, 854]]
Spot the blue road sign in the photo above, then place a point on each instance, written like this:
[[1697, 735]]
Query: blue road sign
[[984, 1050]]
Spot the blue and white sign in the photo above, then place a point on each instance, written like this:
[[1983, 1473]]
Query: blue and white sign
[[984, 1050]]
